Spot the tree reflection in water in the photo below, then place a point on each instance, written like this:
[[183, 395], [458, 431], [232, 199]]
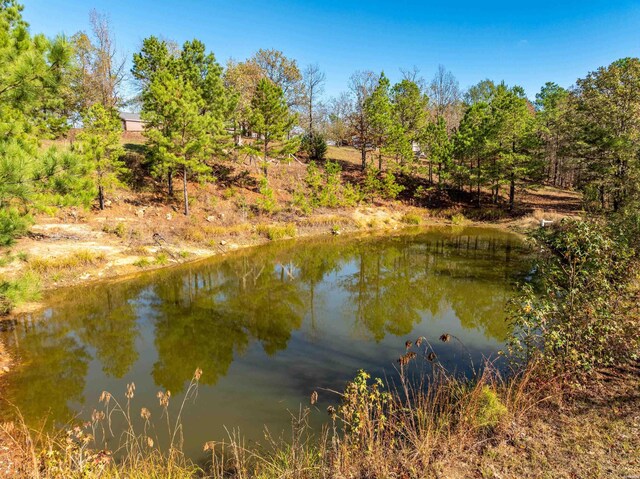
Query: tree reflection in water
[[302, 301]]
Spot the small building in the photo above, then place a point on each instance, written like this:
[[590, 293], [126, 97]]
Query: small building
[[131, 121]]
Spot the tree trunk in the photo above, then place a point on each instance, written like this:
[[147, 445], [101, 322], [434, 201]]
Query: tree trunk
[[101, 196], [170, 181], [184, 191], [363, 155], [478, 199], [264, 166], [512, 191]]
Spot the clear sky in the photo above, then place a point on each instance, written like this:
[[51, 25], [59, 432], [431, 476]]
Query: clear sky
[[525, 43]]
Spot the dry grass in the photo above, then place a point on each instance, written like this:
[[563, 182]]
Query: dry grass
[[432, 425], [205, 233], [327, 220], [411, 219], [344, 153], [276, 232], [78, 259]]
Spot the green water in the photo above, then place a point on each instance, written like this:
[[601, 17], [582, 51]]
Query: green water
[[267, 326]]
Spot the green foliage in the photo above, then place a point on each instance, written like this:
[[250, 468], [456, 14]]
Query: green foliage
[[411, 219], [491, 410], [34, 75], [267, 202], [458, 219], [314, 146], [99, 143], [63, 178], [576, 316], [377, 185], [184, 104], [608, 119], [276, 232], [379, 113], [439, 148], [13, 224], [364, 405], [326, 188], [33, 78], [272, 121], [24, 289]]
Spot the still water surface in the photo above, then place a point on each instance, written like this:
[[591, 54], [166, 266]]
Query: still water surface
[[267, 326]]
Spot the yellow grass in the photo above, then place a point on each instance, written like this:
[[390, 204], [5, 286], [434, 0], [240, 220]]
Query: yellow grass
[[73, 261]]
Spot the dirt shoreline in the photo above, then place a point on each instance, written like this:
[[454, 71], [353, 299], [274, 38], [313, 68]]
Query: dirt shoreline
[[120, 266]]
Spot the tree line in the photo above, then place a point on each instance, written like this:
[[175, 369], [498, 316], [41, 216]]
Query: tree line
[[488, 141]]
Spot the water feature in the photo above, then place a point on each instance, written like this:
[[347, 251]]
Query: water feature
[[267, 326]]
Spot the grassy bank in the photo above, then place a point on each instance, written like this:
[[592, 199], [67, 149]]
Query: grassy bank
[[524, 427]]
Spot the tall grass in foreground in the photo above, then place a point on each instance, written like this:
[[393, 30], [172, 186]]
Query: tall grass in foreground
[[400, 429]]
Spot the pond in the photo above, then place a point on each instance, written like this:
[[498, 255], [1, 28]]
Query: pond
[[267, 326]]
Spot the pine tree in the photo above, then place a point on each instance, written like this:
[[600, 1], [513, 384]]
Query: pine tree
[[185, 138], [608, 118], [34, 77], [379, 112], [271, 120], [99, 143], [184, 105]]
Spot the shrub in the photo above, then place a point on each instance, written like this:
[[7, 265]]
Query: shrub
[[267, 202], [579, 313], [390, 187], [326, 189], [12, 293], [12, 225], [377, 185], [162, 258], [142, 263], [314, 146], [490, 410]]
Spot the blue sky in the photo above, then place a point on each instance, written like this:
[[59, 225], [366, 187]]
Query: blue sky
[[525, 43]]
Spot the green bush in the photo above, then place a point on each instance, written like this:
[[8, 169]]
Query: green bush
[[326, 189], [276, 232], [378, 185], [12, 293], [490, 410], [458, 219], [579, 313], [314, 146], [390, 187], [12, 225], [267, 202]]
